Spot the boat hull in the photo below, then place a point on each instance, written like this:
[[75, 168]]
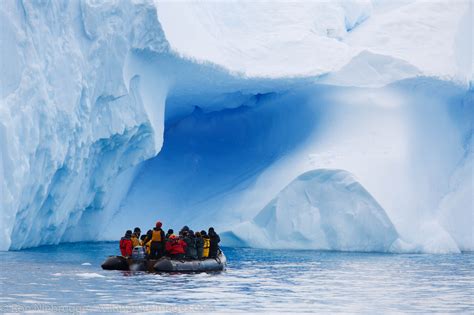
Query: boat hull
[[169, 265], [165, 264]]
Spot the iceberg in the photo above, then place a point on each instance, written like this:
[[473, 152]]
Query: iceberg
[[186, 112], [69, 127], [321, 209]]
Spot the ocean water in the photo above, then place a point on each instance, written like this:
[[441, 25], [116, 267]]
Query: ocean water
[[68, 278]]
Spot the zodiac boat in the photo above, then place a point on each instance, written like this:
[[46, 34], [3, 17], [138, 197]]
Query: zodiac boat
[[165, 264]]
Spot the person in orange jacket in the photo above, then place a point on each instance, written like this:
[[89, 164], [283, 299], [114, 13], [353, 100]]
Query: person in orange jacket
[[175, 247], [126, 244]]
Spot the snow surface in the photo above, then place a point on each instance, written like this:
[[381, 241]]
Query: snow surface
[[120, 113], [296, 38]]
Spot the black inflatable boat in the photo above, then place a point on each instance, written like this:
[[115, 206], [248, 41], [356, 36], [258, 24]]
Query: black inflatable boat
[[165, 264]]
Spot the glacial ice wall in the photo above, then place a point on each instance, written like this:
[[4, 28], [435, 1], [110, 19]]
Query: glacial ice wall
[[116, 113], [69, 124]]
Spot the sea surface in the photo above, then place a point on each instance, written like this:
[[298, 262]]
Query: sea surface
[[68, 278]]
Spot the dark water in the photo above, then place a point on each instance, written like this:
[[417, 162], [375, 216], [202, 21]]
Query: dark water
[[54, 279]]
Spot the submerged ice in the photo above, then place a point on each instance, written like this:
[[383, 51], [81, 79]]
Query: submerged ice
[[143, 110]]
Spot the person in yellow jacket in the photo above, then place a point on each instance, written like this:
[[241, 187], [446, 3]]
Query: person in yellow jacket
[[207, 244], [158, 241], [136, 237], [147, 247], [135, 240], [146, 241]]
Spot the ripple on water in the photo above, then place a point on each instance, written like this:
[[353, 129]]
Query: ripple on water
[[256, 280]]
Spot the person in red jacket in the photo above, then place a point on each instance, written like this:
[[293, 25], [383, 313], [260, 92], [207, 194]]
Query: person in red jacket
[[175, 247], [126, 244]]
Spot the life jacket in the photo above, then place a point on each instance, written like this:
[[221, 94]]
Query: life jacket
[[156, 236], [135, 241], [207, 245], [126, 247]]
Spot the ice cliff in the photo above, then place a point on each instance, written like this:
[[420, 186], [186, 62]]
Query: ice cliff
[[119, 113], [69, 124]]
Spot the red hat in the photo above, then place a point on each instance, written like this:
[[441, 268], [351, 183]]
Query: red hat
[[158, 224]]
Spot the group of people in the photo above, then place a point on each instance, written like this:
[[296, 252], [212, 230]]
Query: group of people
[[186, 245]]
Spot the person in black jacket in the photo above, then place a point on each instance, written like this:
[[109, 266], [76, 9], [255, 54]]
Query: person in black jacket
[[215, 240], [191, 251], [183, 230], [199, 244]]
